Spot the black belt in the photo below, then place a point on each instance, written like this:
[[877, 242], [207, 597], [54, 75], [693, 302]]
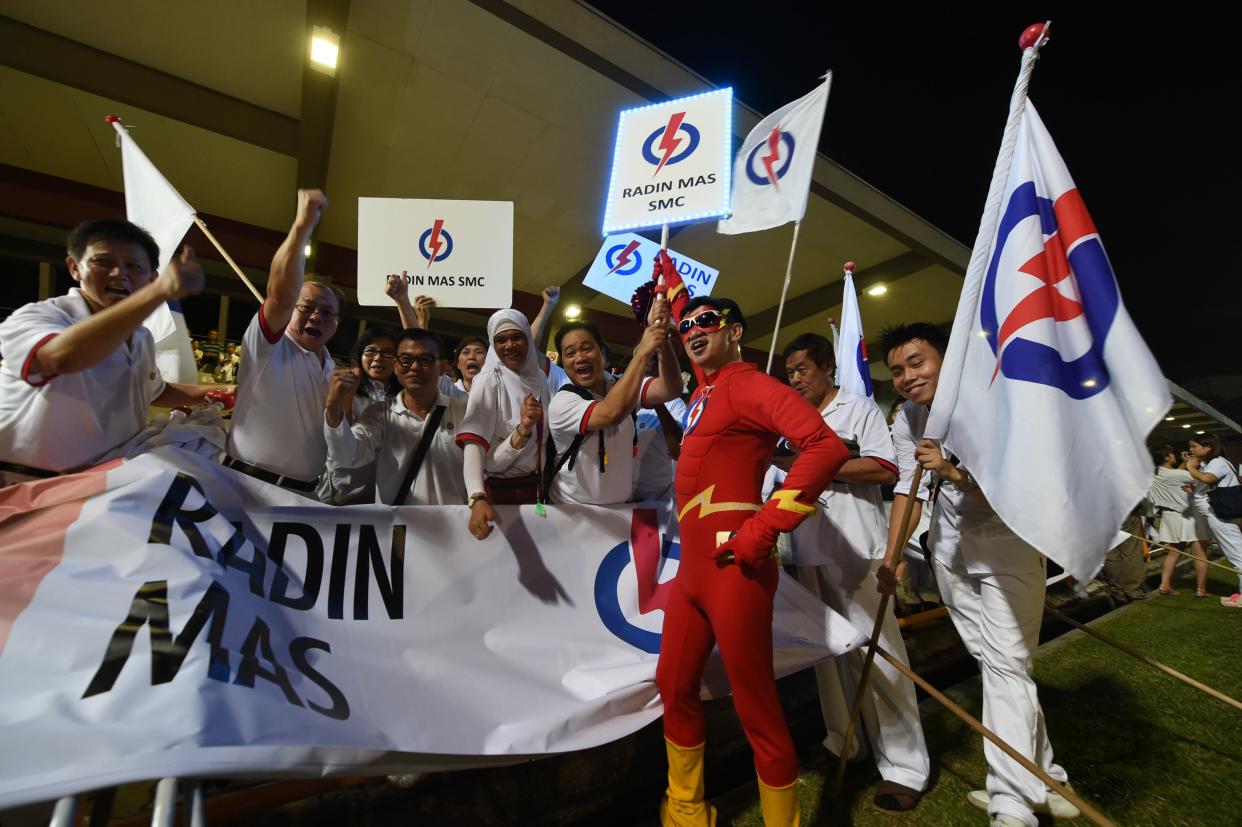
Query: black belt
[[290, 483], [27, 471]]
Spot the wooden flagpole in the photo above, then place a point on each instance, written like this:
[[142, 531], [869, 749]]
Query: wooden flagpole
[[1060, 788], [202, 225], [780, 308]]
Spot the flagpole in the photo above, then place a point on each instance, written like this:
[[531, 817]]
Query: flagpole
[[954, 363], [202, 225], [1150, 661], [1060, 787], [780, 308], [664, 237], [1031, 41]]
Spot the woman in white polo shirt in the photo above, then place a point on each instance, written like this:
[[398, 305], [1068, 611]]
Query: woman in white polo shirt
[[592, 421], [1210, 470], [1181, 525]]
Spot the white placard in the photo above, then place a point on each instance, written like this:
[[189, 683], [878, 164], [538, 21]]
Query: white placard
[[624, 263], [671, 163], [459, 253]]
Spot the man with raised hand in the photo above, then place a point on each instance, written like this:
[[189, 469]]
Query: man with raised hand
[[282, 384], [837, 553], [727, 579], [78, 373], [991, 581]]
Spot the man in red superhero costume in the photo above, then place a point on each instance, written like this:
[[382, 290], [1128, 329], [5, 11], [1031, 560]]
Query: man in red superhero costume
[[727, 576]]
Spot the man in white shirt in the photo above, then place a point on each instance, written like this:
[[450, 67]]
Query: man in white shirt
[[392, 433], [593, 429], [282, 384], [992, 583], [837, 552], [77, 372]]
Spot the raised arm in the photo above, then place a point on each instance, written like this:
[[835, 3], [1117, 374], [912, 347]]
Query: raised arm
[[667, 386], [90, 341], [623, 395], [284, 280], [539, 326]]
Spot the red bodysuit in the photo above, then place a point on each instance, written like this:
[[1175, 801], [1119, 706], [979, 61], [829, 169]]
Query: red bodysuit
[[734, 421]]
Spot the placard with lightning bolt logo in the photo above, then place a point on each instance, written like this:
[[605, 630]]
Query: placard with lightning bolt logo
[[671, 163], [624, 262], [459, 253]]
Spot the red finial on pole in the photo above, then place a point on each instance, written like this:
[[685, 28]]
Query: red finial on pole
[[1034, 35], [111, 119], [849, 267]]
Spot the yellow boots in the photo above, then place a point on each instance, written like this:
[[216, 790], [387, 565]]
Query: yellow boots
[[683, 804], [779, 805]]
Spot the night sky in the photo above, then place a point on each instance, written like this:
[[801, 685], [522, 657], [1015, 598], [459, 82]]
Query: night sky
[[918, 104]]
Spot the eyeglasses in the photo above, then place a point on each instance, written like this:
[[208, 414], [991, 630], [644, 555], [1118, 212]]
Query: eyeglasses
[[376, 353], [307, 309], [708, 320], [423, 360]]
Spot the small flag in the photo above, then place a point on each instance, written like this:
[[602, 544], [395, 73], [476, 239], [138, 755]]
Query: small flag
[[1048, 392], [153, 204], [853, 369], [772, 170]]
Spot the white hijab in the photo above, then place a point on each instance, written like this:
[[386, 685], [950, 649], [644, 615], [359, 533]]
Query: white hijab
[[496, 394]]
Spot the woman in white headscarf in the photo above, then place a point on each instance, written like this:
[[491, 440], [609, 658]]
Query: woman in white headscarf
[[503, 433]]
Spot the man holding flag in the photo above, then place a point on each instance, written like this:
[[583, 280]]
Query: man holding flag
[[1045, 375]]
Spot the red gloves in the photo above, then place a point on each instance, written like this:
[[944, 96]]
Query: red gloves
[[226, 399], [750, 547]]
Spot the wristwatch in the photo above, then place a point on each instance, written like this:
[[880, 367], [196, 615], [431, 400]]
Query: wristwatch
[[474, 498]]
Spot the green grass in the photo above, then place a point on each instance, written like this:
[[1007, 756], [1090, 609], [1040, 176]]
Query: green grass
[[1142, 747]]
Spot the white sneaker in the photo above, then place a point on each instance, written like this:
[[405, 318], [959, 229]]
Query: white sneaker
[[1007, 821], [979, 798], [1058, 806]]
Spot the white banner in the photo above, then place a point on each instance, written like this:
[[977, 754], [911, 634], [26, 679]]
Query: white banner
[[459, 253], [623, 264], [168, 617], [671, 163]]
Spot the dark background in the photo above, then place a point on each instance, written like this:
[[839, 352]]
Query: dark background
[[1139, 107]]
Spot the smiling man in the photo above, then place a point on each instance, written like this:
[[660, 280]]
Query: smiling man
[[282, 384], [78, 371], [593, 420], [393, 433], [727, 578]]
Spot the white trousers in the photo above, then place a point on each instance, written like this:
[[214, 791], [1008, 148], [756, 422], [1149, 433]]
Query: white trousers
[[890, 714], [998, 616], [1229, 538]]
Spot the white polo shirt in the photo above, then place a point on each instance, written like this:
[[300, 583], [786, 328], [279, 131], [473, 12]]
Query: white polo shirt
[[281, 391], [63, 421], [567, 417], [966, 535], [1226, 477], [388, 434], [850, 518]]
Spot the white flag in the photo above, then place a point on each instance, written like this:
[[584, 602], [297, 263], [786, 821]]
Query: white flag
[[153, 204], [1048, 392], [853, 369], [772, 171]]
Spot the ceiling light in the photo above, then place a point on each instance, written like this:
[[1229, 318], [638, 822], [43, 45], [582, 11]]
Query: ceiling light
[[307, 249], [1186, 427], [877, 290], [1200, 432], [1089, 383], [1169, 418], [573, 311], [325, 46]]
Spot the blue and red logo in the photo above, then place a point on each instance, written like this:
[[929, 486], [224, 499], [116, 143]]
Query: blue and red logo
[[1074, 288], [772, 167], [676, 135], [651, 554], [435, 244], [864, 366], [624, 259]]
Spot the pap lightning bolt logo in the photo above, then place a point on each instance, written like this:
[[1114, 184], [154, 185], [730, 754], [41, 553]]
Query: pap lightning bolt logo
[[669, 142], [624, 258], [774, 154], [435, 243]]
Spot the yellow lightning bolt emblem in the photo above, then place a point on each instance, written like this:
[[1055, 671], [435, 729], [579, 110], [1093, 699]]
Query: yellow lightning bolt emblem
[[703, 500], [785, 500]]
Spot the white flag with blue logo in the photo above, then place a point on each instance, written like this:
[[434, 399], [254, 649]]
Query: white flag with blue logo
[[153, 204], [772, 170], [1048, 392], [853, 369]]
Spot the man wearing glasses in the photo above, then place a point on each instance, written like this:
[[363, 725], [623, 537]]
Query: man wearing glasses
[[77, 372], [282, 384], [726, 580], [412, 438]]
